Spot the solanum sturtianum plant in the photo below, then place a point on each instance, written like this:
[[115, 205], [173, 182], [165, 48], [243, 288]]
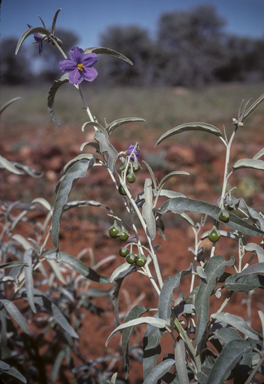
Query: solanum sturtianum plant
[[206, 348]]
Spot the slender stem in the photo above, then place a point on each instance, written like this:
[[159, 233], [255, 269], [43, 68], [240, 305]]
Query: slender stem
[[255, 370], [59, 48], [86, 106]]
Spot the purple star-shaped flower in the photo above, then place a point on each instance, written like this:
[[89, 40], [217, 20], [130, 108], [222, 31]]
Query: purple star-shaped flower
[[133, 148], [79, 65], [38, 39]]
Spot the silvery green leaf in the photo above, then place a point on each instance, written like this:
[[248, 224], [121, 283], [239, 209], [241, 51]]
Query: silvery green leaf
[[85, 203], [119, 270], [20, 239], [156, 322], [56, 269], [151, 174], [151, 348], [15, 313], [159, 371], [255, 268], [82, 156], [11, 371], [252, 213], [27, 259], [51, 95], [249, 163], [76, 171], [259, 154], [147, 209], [180, 362], [90, 143], [115, 124], [57, 365], [29, 32], [245, 283], [95, 292], [201, 273], [171, 174], [28, 170], [179, 205], [190, 127], [107, 51], [171, 194], [78, 266], [180, 309], [227, 360], [93, 124], [12, 264], [105, 146], [236, 322], [253, 106], [166, 294], [252, 247], [113, 379], [213, 270], [261, 316], [226, 335], [8, 103], [53, 310], [4, 163], [43, 202], [188, 219], [3, 330], [54, 21], [135, 313]]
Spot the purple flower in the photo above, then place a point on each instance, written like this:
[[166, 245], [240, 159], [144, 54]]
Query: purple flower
[[79, 65], [38, 39], [135, 150]]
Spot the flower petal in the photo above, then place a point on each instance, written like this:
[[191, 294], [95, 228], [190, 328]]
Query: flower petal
[[75, 77], [89, 74], [76, 54], [67, 65], [89, 59]]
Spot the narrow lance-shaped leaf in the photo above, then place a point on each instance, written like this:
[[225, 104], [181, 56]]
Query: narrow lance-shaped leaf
[[79, 267], [105, 146], [255, 268], [179, 205], [11, 371], [259, 154], [236, 322], [249, 163], [227, 360], [151, 174], [30, 171], [4, 163], [190, 127], [78, 170], [213, 270], [171, 174], [57, 365], [115, 124], [29, 32], [245, 283], [156, 322], [8, 103], [93, 124], [151, 348], [135, 313], [86, 203], [252, 247], [180, 362], [253, 106], [14, 312], [54, 21], [107, 51], [159, 371], [147, 209], [51, 95], [91, 144], [27, 258]]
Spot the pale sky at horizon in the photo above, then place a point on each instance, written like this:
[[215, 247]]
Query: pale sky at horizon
[[91, 18]]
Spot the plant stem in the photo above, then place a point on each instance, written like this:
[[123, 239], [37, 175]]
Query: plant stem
[[255, 370], [85, 105]]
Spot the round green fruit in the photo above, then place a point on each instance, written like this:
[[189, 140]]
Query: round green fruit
[[224, 216], [131, 177], [136, 167], [141, 260], [114, 231], [123, 235], [214, 236], [121, 190], [131, 258], [123, 251]]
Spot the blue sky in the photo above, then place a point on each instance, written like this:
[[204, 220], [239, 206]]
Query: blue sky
[[89, 18]]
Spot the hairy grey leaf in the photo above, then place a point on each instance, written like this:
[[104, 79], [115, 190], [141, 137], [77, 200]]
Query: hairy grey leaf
[[180, 362], [115, 124], [8, 103], [93, 124], [253, 106], [236, 322], [92, 203], [190, 127], [107, 51], [27, 259], [170, 175], [54, 21], [249, 163], [259, 154], [105, 146], [4, 163], [15, 313], [151, 348], [29, 32], [6, 368], [159, 371], [239, 283], [51, 95]]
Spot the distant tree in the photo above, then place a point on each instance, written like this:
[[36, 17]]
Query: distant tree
[[135, 43], [14, 69], [50, 69], [192, 45]]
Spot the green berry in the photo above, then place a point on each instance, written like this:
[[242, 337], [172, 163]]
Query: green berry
[[121, 190], [123, 251], [141, 260], [224, 216], [131, 177], [136, 167], [214, 236], [123, 235], [131, 258], [114, 231]]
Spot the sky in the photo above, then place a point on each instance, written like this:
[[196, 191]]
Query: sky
[[90, 18]]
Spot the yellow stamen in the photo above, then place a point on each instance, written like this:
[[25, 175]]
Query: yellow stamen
[[80, 66]]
